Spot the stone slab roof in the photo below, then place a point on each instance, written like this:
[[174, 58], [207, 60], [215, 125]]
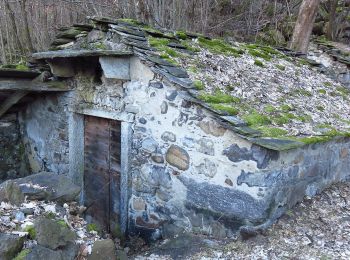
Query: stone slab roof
[[18, 74], [275, 98], [79, 53]]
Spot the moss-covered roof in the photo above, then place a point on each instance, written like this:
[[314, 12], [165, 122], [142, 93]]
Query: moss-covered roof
[[276, 100]]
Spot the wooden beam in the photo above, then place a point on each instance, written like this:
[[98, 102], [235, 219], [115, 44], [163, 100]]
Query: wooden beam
[[14, 85], [11, 101]]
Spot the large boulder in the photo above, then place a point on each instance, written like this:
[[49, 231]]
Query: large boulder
[[11, 192], [41, 186], [52, 233], [10, 246], [39, 252], [103, 249]]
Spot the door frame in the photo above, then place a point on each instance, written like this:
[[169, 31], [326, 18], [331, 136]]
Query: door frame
[[76, 154]]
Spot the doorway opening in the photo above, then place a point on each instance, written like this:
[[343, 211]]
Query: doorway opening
[[102, 171]]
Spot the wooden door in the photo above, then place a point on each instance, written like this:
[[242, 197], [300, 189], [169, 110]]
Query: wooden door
[[102, 171]]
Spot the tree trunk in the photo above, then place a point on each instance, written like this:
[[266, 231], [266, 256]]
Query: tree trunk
[[332, 26], [26, 30], [303, 27], [13, 25]]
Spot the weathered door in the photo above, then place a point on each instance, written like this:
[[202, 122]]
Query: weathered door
[[102, 171]]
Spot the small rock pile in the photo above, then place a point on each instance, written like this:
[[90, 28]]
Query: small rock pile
[[33, 227]]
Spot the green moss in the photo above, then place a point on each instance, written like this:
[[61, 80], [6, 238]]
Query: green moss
[[280, 67], [22, 67], [193, 69], [259, 54], [62, 223], [314, 139], [50, 215], [256, 119], [272, 131], [325, 126], [302, 92], [131, 21], [161, 44], [320, 108], [225, 108], [281, 119], [22, 255], [322, 91], [286, 108], [327, 84], [230, 88], [92, 227], [259, 63], [19, 66], [304, 118], [166, 57], [31, 231], [199, 85], [158, 42], [269, 109], [99, 46], [152, 30], [218, 97], [171, 52], [219, 47], [181, 35], [343, 91], [189, 46]]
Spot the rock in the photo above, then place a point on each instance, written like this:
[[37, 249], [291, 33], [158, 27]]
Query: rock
[[156, 176], [11, 192], [149, 145], [41, 186], [139, 204], [52, 234], [171, 230], [69, 34], [168, 137], [206, 146], [175, 71], [19, 216], [10, 246], [95, 35], [121, 255], [178, 157], [208, 168], [171, 95], [256, 153], [218, 230], [212, 128], [142, 120], [103, 249], [233, 204], [229, 182], [157, 158], [164, 107], [156, 84], [40, 252]]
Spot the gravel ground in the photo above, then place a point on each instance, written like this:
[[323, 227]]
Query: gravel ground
[[317, 228]]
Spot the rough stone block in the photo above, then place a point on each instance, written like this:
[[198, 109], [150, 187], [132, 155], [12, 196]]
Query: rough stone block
[[116, 68]]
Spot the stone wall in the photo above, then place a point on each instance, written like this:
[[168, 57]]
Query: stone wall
[[187, 172], [12, 157], [45, 127]]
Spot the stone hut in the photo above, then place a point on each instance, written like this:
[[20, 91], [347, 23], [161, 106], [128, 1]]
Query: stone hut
[[170, 132]]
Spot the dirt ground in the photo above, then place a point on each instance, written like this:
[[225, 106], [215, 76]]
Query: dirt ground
[[317, 228]]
